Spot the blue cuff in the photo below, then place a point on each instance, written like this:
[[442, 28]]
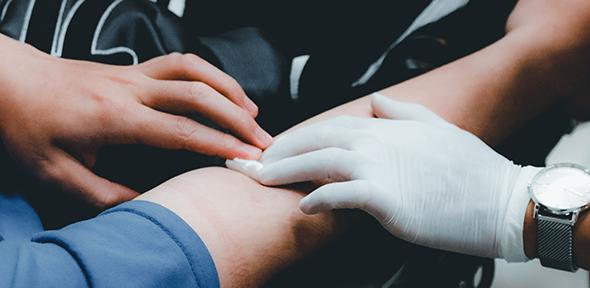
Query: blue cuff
[[187, 240], [135, 244]]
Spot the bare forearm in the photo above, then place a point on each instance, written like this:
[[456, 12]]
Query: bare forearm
[[251, 231], [564, 28], [541, 61]]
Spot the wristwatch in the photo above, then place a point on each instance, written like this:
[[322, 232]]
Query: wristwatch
[[560, 193]]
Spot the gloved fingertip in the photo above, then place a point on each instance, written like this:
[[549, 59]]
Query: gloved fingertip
[[377, 96], [377, 99], [249, 168], [307, 206], [380, 105]]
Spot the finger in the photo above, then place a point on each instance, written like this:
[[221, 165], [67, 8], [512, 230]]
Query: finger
[[250, 168], [384, 107], [341, 195], [329, 164], [308, 139], [73, 177], [177, 132], [192, 68], [190, 97]]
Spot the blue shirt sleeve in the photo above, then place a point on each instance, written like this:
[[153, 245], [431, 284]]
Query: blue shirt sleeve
[[136, 244]]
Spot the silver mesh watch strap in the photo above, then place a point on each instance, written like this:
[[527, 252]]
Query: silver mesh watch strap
[[555, 243]]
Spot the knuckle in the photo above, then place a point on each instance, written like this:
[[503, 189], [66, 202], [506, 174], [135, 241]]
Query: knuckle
[[174, 58], [176, 61], [246, 121], [322, 134], [362, 166], [334, 156], [191, 60], [106, 199], [137, 78], [228, 143], [334, 152], [107, 105], [129, 77], [186, 131], [235, 89], [343, 162], [198, 90], [102, 201], [49, 173], [107, 109]]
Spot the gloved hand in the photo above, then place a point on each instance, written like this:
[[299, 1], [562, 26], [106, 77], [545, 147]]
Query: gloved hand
[[426, 180]]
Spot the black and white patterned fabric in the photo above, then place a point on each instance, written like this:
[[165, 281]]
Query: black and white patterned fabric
[[254, 42]]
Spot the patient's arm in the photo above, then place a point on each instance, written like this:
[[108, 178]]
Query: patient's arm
[[253, 231]]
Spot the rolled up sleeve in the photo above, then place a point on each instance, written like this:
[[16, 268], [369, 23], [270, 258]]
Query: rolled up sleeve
[[136, 244]]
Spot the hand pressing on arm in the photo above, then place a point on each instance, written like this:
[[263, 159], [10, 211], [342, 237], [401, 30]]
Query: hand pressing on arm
[[427, 181], [55, 114]]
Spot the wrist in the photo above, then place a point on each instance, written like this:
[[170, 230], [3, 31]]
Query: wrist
[[17, 74], [582, 241], [530, 232], [513, 241], [581, 237]]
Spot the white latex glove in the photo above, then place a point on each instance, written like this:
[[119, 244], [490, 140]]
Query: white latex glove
[[426, 180]]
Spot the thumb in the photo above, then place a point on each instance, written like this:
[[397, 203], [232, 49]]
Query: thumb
[[75, 178], [384, 107], [341, 195]]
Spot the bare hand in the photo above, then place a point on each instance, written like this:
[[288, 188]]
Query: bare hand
[[55, 114]]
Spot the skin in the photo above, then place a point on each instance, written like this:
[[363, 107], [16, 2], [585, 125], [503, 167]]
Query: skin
[[264, 233], [54, 122], [514, 79]]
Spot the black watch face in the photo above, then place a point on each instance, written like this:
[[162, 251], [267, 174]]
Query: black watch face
[[562, 187]]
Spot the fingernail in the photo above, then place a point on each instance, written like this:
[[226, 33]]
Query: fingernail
[[250, 152], [263, 136], [251, 106]]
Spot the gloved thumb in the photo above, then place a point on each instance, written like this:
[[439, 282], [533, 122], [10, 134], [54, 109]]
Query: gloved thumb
[[339, 195], [387, 108]]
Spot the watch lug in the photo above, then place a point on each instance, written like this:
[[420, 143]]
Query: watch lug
[[546, 214], [574, 217]]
